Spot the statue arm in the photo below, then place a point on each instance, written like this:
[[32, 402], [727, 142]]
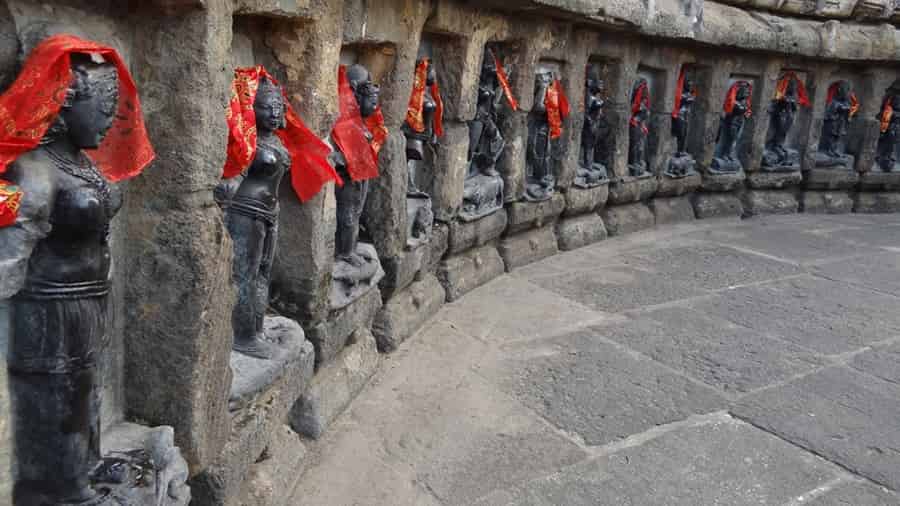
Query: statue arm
[[18, 240]]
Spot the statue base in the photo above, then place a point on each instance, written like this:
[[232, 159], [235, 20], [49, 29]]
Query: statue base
[[840, 162], [774, 161], [681, 165], [253, 376], [714, 181], [878, 180], [638, 171], [837, 178], [765, 180], [538, 192], [419, 219], [482, 195], [591, 178], [350, 282], [725, 166]]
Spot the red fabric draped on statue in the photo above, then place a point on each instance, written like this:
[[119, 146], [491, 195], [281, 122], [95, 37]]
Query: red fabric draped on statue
[[504, 83], [310, 169], [641, 97], [731, 98], [375, 124], [679, 92], [349, 133], [34, 100], [414, 111], [10, 198], [832, 91], [557, 108], [781, 89], [887, 112]]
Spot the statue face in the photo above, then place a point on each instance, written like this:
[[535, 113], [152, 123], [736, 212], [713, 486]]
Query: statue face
[[94, 106], [791, 88], [843, 91], [742, 93], [269, 108], [688, 85], [367, 95]]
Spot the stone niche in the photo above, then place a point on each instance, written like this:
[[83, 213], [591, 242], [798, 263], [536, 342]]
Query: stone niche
[[513, 124]]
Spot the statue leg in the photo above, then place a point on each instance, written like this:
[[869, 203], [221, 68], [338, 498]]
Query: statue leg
[[350, 202], [248, 236], [264, 276]]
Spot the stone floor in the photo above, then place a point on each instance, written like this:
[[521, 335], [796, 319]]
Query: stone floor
[[716, 363]]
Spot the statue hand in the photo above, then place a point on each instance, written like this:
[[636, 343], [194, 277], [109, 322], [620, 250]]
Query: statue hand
[[225, 190]]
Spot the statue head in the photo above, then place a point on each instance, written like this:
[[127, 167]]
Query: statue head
[[743, 91], [90, 104], [430, 75], [791, 90], [843, 91], [269, 107], [688, 86], [366, 92]]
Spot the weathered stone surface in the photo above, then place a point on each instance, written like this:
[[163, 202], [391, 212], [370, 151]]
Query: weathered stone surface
[[723, 182], [687, 466], [167, 483], [627, 218], [450, 171], [879, 272], [407, 311], [843, 415], [466, 235], [574, 233], [856, 493], [880, 361], [762, 180], [527, 247], [437, 246], [271, 480], [252, 429], [637, 394], [830, 179], [385, 216], [880, 202], [401, 270], [336, 385], [794, 241], [461, 273], [828, 202], [729, 357], [757, 202], [839, 319], [879, 181], [672, 210], [630, 189], [673, 187], [712, 205], [330, 337], [252, 376], [585, 200], [526, 215]]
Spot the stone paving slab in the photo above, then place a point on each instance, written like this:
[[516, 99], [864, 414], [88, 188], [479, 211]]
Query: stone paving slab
[[826, 316], [791, 243], [855, 493], [881, 237], [878, 271], [846, 416], [880, 361], [591, 388], [730, 357], [722, 462]]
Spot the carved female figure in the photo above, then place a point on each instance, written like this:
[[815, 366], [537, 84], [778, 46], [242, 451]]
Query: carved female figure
[[423, 127], [55, 258], [544, 127], [736, 109], [841, 106], [266, 140], [638, 130], [682, 163], [594, 133], [789, 95], [889, 140]]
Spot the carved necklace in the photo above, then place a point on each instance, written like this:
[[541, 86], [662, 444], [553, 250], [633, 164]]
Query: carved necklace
[[83, 169]]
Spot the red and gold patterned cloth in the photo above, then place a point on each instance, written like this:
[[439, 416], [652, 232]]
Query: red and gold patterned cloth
[[679, 92], [349, 133], [832, 91], [375, 124], [504, 83], [310, 169], [34, 100], [887, 112], [731, 98], [641, 98], [414, 111], [781, 88], [557, 106], [10, 198]]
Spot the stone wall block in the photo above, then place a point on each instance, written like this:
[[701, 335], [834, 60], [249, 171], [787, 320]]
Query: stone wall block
[[330, 337], [514, 128], [579, 231], [528, 247], [672, 210], [627, 218], [385, 218], [585, 200], [716, 205], [826, 202], [407, 311], [448, 174], [526, 215], [460, 274], [466, 235]]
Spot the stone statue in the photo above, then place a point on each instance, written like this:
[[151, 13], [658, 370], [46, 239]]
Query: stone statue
[[736, 110], [638, 129], [595, 132], [540, 180], [789, 95], [682, 163], [55, 267], [251, 216], [886, 154], [483, 187], [422, 129], [840, 107]]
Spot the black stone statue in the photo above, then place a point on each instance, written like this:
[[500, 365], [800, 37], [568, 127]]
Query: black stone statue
[[595, 132], [782, 113], [888, 150], [483, 188], [540, 180], [731, 128], [251, 215], [418, 203], [832, 151], [638, 129], [682, 163]]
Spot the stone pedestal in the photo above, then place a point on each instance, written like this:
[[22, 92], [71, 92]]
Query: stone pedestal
[[270, 482], [579, 231], [527, 247], [673, 187], [631, 189], [876, 202], [826, 202], [465, 235], [462, 273], [830, 179], [672, 210], [585, 200], [724, 182], [716, 205], [401, 270], [880, 181], [332, 335], [762, 180], [528, 215], [627, 218], [758, 202], [407, 311], [349, 283]]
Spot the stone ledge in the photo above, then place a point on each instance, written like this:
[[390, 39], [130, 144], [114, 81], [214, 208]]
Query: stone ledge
[[758, 202], [672, 210], [629, 190], [407, 311], [585, 200], [467, 235], [628, 218], [528, 247], [580, 231], [723, 182], [716, 205], [880, 181], [826, 202], [462, 273], [400, 271], [876, 202], [674, 187], [331, 336], [335, 386], [830, 179], [760, 180], [527, 215]]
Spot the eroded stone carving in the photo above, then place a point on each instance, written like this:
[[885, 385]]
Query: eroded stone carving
[[594, 151], [888, 150], [735, 111], [682, 164], [638, 129], [544, 128], [422, 128], [790, 94], [841, 105], [55, 269]]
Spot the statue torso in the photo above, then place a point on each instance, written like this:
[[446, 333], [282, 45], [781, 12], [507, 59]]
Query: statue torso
[[265, 173]]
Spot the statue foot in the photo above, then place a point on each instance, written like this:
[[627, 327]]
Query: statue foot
[[254, 347]]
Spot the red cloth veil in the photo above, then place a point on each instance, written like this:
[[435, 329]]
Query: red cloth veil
[[641, 97], [832, 91], [310, 169], [887, 112], [34, 100], [504, 83], [679, 92], [414, 114], [349, 133], [557, 108], [781, 88], [731, 98]]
